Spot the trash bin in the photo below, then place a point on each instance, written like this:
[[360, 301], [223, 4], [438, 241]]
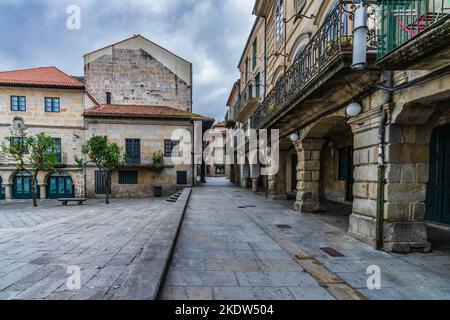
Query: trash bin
[[157, 191]]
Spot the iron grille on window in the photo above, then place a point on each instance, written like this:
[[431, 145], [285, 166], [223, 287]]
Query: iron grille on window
[[128, 177]]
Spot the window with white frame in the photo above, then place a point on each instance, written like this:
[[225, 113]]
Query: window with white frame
[[279, 20]]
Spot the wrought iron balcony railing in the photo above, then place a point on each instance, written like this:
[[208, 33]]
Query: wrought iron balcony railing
[[401, 21], [251, 91], [333, 38]]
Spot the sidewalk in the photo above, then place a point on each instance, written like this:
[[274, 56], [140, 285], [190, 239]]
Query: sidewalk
[[215, 226]]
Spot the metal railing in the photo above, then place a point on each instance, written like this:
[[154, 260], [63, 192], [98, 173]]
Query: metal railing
[[334, 37], [251, 91], [145, 159], [401, 21]]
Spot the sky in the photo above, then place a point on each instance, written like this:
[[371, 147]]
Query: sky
[[209, 33]]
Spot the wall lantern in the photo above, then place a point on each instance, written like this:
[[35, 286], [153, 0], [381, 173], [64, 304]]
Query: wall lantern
[[354, 109], [294, 137]]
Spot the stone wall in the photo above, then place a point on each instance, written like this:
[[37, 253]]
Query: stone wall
[[134, 77]]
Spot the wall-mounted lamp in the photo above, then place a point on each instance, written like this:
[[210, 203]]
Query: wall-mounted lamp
[[354, 109], [294, 137]]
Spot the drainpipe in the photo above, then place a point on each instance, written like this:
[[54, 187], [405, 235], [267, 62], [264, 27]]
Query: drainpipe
[[381, 163]]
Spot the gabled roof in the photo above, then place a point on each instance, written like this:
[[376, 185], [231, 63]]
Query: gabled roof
[[47, 77], [142, 112], [177, 65]]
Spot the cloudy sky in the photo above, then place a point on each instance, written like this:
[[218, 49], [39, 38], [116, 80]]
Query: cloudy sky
[[209, 33]]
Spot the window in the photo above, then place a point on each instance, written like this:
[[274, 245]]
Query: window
[[56, 149], [171, 147], [255, 53], [343, 164], [128, 177], [298, 5], [182, 177], [18, 103], [279, 20], [246, 70], [19, 142], [52, 104], [258, 84], [133, 151]]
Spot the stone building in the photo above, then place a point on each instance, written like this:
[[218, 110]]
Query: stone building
[[134, 92], [50, 101], [145, 94], [371, 141]]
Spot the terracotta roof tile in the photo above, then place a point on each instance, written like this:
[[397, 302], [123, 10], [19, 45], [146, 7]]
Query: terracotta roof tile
[[140, 111], [40, 77]]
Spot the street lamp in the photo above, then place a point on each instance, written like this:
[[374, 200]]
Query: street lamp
[[294, 137], [354, 109]]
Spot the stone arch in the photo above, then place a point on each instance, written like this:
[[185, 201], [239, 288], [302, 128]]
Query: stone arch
[[299, 44], [323, 11], [325, 163], [320, 128], [277, 75]]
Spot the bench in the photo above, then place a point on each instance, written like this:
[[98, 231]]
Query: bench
[[80, 201]]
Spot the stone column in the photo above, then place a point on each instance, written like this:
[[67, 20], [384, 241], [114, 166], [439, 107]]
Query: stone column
[[43, 190], [407, 174], [277, 182], [308, 174], [8, 191], [405, 184], [254, 175], [244, 174]]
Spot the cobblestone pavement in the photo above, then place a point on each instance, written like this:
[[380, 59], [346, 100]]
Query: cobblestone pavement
[[37, 245], [223, 254]]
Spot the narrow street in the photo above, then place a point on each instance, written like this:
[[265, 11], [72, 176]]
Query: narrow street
[[235, 244]]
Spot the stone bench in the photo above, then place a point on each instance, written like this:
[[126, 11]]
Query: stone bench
[[80, 201]]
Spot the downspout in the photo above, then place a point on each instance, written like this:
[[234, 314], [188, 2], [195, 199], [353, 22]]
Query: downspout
[[265, 57], [379, 242], [82, 146]]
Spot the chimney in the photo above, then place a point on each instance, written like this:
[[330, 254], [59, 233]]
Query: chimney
[[108, 97]]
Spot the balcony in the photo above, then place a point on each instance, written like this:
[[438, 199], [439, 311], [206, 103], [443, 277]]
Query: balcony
[[250, 97], [413, 34], [145, 160], [324, 63], [61, 160]]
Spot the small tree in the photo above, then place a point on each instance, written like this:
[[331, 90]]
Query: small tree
[[108, 157], [31, 154]]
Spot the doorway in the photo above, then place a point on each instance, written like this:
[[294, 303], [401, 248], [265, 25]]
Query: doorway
[[60, 186], [438, 191]]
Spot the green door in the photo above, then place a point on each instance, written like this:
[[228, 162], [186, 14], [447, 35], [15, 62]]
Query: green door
[[438, 191], [22, 187], [2, 189], [60, 187]]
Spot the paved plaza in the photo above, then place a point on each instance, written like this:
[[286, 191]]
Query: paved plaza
[[121, 249], [235, 244]]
